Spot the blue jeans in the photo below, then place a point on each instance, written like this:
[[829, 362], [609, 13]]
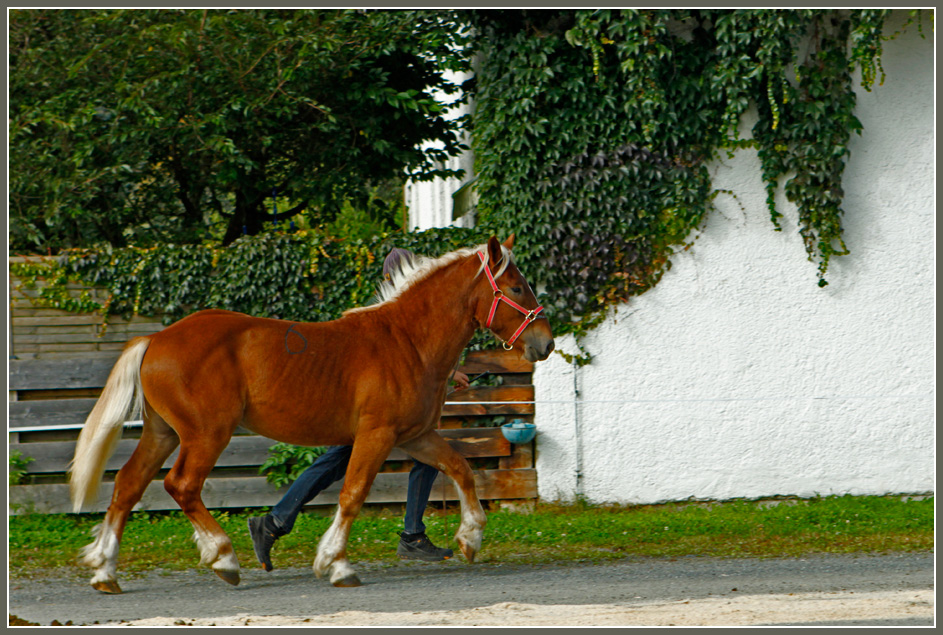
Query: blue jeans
[[331, 466]]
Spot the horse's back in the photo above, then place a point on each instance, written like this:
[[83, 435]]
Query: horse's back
[[196, 338]]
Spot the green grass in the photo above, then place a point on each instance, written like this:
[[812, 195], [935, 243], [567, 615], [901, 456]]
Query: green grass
[[550, 533]]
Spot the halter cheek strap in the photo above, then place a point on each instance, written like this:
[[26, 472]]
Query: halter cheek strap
[[529, 316]]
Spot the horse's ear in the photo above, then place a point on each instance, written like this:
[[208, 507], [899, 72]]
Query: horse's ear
[[509, 243], [494, 251]]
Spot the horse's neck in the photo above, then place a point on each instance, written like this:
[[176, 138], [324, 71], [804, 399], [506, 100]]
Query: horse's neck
[[439, 313]]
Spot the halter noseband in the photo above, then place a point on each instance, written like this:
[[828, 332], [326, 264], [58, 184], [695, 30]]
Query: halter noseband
[[529, 316]]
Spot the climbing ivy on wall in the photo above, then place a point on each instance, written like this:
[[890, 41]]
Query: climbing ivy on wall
[[594, 129]]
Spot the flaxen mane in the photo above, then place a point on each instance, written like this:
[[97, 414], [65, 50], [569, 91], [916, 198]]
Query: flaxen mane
[[412, 270]]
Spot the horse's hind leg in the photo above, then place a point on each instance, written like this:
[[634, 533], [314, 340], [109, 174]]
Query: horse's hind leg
[[198, 453], [371, 448], [157, 442], [432, 449]]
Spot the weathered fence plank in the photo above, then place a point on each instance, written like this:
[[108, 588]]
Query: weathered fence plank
[[221, 493], [49, 412], [250, 450], [81, 319], [38, 374], [30, 413], [469, 401], [496, 361]]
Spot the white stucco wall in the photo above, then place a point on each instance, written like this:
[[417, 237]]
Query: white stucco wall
[[737, 376]]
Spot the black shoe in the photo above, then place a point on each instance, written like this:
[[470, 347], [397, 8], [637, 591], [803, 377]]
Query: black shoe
[[419, 547], [264, 534]]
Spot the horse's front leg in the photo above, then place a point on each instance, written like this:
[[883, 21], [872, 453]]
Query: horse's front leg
[[370, 450], [432, 449]]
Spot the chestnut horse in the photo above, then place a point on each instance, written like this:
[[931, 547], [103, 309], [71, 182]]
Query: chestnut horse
[[375, 378]]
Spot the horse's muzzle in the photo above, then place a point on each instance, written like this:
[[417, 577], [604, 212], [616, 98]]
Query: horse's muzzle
[[538, 350]]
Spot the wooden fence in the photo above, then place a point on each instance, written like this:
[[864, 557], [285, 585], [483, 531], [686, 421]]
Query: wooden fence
[[59, 365], [38, 332]]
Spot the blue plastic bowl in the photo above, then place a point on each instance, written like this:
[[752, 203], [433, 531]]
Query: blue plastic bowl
[[519, 431]]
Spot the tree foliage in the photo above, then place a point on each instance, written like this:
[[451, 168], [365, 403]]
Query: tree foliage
[[141, 126]]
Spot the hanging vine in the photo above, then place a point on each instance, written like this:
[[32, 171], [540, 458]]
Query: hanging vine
[[594, 129]]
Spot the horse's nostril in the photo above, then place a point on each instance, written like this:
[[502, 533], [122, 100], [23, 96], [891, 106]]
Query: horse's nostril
[[549, 349]]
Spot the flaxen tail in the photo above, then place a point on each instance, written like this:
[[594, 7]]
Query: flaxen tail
[[121, 397]]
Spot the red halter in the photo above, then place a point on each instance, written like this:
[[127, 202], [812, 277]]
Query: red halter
[[529, 316]]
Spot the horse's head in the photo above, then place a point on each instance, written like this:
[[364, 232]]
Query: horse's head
[[508, 306]]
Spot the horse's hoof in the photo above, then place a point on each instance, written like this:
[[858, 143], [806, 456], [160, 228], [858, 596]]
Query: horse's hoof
[[229, 575], [468, 551], [350, 580], [107, 586]]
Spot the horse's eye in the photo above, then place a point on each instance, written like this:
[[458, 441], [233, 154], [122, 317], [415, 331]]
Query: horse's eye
[[516, 290]]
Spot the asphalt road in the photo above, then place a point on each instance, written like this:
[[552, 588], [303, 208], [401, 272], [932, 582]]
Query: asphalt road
[[452, 585]]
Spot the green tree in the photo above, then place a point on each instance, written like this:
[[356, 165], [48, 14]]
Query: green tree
[[150, 125]]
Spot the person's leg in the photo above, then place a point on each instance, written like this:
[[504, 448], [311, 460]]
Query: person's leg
[[421, 479], [265, 530], [328, 468], [413, 541]]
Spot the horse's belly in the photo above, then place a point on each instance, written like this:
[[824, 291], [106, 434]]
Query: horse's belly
[[313, 428]]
